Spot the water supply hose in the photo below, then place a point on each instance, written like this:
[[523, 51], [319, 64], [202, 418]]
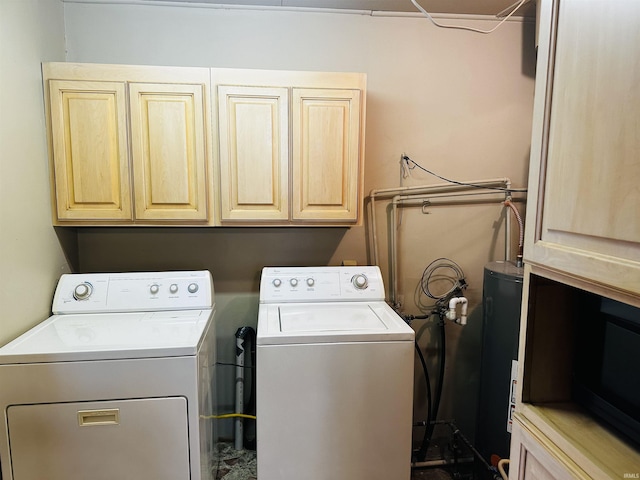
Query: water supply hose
[[509, 203]]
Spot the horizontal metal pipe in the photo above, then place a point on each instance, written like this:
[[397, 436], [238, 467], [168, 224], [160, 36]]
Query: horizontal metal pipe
[[423, 189], [440, 187]]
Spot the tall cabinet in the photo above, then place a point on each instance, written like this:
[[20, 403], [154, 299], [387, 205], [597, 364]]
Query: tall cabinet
[[582, 232]]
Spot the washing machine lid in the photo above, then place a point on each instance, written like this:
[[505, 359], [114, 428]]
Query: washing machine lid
[[109, 336], [330, 322]]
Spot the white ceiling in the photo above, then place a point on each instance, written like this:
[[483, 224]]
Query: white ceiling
[[468, 7]]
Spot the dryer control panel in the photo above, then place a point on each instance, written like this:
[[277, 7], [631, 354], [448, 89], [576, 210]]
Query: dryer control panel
[[321, 284], [133, 292]]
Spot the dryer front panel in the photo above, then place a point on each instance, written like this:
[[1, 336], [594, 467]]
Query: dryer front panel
[[142, 439]]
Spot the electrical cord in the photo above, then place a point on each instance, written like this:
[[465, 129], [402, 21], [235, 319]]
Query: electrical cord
[[411, 164], [458, 282], [462, 27]]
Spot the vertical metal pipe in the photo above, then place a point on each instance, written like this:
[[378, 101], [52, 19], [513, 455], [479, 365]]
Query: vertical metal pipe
[[374, 235], [394, 256]]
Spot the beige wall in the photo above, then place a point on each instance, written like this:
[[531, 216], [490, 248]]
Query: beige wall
[[31, 260], [457, 102]]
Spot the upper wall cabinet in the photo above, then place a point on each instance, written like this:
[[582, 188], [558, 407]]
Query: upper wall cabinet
[[128, 144], [291, 146], [585, 161]]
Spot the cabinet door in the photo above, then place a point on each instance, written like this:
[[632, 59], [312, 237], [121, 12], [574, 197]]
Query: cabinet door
[[89, 143], [254, 153], [532, 459], [140, 439], [585, 162], [168, 151], [326, 154]]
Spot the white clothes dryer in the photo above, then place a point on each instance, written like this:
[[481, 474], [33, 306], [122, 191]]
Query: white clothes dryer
[[117, 384], [334, 397]]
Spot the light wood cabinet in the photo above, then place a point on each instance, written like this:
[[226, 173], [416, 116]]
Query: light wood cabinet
[[88, 122], [585, 161], [582, 233], [326, 148], [129, 144], [254, 152], [291, 146], [533, 460]]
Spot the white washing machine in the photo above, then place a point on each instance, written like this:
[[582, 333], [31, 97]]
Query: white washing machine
[[117, 384], [334, 377]]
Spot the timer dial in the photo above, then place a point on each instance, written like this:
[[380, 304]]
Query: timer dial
[[360, 281], [82, 291]]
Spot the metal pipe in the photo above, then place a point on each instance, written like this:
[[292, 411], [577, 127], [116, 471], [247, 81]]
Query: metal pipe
[[423, 189], [405, 200], [440, 187], [374, 235], [394, 260]]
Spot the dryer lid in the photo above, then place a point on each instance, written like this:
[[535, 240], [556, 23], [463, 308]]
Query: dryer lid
[[109, 336], [330, 322]]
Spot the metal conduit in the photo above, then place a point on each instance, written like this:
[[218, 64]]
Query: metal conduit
[[421, 192], [419, 199], [423, 189]]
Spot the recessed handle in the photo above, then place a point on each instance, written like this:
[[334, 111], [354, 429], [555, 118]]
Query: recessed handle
[[88, 418]]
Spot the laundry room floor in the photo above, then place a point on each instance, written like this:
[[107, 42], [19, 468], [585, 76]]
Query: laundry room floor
[[241, 465]]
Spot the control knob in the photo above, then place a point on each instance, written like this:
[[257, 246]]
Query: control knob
[[193, 287], [82, 291], [277, 282], [173, 288], [360, 281], [311, 282], [154, 289], [294, 282]]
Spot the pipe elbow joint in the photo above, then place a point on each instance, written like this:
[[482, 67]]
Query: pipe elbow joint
[[452, 313]]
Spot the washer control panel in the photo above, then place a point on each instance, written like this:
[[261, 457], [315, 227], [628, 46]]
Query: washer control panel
[[319, 284], [133, 292]]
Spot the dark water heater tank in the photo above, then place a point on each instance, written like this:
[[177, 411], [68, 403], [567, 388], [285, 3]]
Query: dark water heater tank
[[501, 299]]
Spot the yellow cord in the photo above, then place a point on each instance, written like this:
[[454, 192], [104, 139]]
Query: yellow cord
[[228, 415]]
